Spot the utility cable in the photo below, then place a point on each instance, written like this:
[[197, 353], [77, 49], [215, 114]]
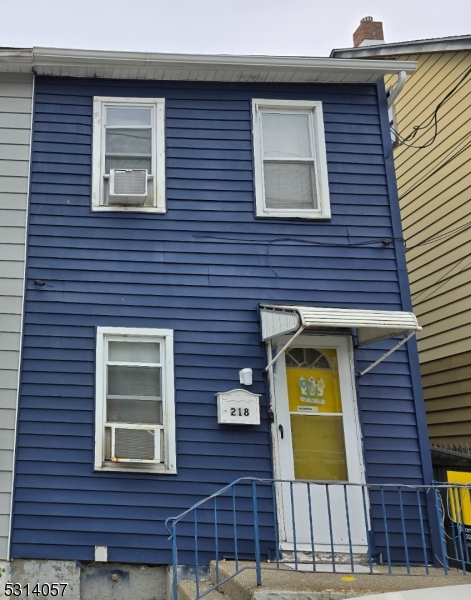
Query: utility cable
[[445, 161], [445, 281], [431, 121], [384, 240], [443, 237]]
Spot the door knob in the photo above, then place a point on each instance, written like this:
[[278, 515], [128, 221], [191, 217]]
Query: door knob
[[280, 427]]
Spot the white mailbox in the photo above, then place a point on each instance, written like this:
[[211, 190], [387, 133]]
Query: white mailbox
[[238, 407]]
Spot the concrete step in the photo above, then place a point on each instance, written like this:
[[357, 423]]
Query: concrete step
[[287, 584], [187, 591]]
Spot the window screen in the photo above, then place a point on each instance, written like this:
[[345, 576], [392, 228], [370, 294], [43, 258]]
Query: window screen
[[128, 137], [134, 383], [288, 160]]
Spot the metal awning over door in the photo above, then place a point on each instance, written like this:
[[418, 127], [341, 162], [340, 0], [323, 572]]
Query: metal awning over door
[[370, 325]]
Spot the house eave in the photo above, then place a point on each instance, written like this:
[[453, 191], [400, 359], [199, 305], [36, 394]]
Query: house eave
[[449, 44], [200, 67], [16, 60]]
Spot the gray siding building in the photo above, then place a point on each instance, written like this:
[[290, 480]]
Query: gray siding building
[[16, 90]]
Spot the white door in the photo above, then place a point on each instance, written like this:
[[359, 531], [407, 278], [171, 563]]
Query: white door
[[318, 439]]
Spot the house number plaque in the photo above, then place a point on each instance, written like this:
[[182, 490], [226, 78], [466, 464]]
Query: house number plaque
[[238, 407]]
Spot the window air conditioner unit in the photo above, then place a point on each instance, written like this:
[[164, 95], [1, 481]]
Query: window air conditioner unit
[[128, 187], [135, 443]]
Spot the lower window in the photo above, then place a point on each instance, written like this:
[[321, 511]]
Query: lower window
[[135, 407]]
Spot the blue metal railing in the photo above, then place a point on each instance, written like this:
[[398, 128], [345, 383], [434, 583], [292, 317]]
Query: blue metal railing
[[358, 525]]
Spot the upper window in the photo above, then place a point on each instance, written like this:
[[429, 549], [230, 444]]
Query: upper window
[[129, 154], [135, 414], [290, 159]]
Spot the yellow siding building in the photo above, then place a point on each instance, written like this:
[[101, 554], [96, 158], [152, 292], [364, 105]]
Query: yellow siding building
[[433, 167]]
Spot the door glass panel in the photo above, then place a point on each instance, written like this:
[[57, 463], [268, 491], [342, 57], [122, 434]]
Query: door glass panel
[[313, 380], [318, 447], [315, 407]]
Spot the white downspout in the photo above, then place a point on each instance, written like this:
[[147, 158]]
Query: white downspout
[[397, 89]]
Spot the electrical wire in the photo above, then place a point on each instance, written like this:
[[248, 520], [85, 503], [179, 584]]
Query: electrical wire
[[445, 281], [431, 121], [442, 237], [417, 294], [383, 241], [446, 160]]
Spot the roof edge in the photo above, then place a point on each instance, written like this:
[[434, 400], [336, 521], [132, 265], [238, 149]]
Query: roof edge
[[53, 56], [448, 44], [40, 59], [16, 60]]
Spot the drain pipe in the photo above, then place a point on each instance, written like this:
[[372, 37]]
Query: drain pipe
[[401, 80]]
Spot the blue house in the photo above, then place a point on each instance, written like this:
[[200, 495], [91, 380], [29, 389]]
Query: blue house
[[215, 260]]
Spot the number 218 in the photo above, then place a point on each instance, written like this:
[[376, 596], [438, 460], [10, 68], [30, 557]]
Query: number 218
[[240, 412]]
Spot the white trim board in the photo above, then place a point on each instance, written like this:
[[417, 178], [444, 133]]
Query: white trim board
[[197, 67], [165, 336], [158, 153], [318, 157]]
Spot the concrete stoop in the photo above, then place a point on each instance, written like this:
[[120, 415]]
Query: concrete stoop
[[287, 584]]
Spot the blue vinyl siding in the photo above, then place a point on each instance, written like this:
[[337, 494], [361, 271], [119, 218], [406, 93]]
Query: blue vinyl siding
[[201, 269]]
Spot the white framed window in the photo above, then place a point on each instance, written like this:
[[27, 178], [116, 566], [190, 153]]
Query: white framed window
[[128, 154], [290, 159], [135, 405]]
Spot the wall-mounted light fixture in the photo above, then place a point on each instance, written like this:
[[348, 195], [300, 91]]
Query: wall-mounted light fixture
[[245, 376]]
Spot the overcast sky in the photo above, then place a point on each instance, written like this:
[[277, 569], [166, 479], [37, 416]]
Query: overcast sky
[[276, 27]]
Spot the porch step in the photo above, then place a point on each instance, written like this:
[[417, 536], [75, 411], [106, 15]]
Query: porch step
[[287, 584], [187, 591]]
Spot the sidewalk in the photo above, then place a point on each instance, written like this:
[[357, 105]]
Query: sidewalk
[[296, 585]]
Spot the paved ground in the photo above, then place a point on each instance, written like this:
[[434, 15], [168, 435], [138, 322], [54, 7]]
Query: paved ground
[[455, 592], [291, 585], [452, 592]]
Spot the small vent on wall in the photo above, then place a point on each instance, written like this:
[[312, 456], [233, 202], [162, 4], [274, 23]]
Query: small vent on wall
[[128, 187]]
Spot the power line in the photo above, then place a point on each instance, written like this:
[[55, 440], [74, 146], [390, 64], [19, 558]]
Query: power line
[[431, 121], [370, 242], [384, 241], [443, 237], [417, 294], [445, 281], [446, 160]]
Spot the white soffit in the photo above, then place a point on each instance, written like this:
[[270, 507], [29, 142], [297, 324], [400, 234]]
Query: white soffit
[[197, 67], [371, 325]]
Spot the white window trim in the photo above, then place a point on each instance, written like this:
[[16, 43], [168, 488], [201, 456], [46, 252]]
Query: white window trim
[[158, 151], [169, 466], [320, 159]]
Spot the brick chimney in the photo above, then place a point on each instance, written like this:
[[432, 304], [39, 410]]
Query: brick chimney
[[368, 33]]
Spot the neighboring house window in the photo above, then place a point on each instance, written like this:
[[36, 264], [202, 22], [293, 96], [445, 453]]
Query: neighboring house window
[[128, 154], [290, 159], [392, 122], [135, 408]]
